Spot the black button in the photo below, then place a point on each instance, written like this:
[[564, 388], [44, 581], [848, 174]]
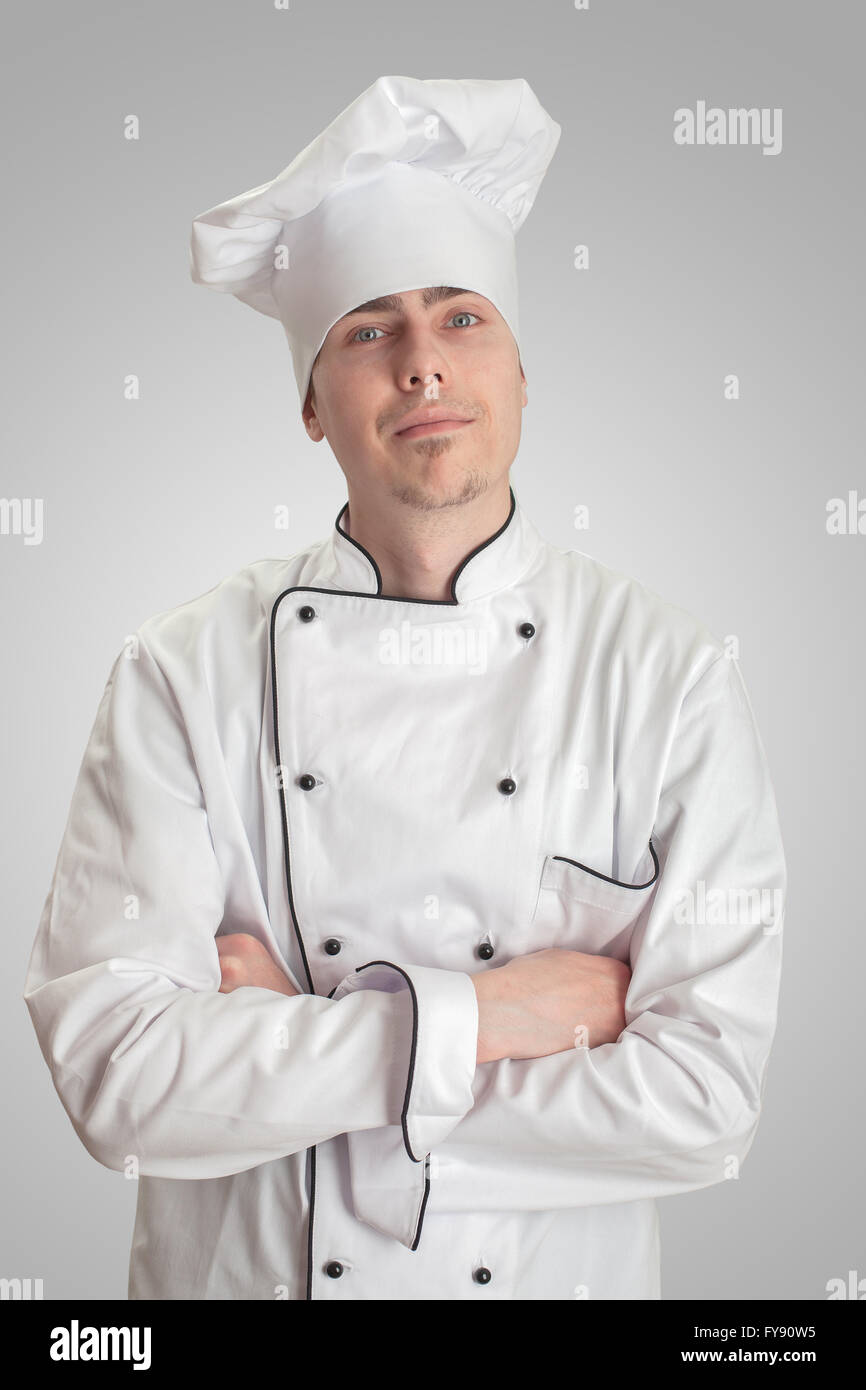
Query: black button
[[507, 786], [306, 614], [333, 1269], [485, 950], [526, 630], [482, 1275], [307, 781], [333, 946]]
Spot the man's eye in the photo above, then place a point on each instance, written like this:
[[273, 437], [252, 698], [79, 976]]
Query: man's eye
[[365, 330], [464, 314]]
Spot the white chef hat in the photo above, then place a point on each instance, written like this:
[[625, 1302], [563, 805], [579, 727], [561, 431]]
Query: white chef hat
[[416, 183]]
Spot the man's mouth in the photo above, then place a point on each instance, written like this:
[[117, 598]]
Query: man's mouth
[[432, 427]]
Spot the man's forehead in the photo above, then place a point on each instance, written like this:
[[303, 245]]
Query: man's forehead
[[394, 303]]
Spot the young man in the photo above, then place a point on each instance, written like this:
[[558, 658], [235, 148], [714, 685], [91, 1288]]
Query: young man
[[378, 944]]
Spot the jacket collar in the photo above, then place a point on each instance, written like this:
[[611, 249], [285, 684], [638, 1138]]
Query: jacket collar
[[498, 562]]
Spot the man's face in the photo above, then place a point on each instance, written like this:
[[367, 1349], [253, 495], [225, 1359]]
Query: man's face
[[439, 350]]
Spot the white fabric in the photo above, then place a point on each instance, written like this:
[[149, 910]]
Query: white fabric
[[416, 183], [631, 740]]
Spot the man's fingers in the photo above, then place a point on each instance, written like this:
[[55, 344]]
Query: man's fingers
[[244, 960]]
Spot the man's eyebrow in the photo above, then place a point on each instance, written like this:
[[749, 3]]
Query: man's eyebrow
[[393, 303]]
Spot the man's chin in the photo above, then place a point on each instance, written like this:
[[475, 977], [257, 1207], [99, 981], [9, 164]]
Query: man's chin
[[429, 491]]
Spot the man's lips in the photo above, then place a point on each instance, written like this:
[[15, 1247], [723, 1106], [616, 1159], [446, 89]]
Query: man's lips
[[432, 427]]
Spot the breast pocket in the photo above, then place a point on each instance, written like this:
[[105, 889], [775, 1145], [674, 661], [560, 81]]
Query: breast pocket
[[581, 909]]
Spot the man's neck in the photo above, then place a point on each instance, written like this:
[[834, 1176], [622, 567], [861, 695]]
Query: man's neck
[[418, 552]]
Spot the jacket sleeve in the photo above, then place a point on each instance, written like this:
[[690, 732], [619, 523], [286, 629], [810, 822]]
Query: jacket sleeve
[[150, 1061], [674, 1103]]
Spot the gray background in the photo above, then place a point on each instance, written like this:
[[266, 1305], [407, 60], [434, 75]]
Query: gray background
[[703, 261]]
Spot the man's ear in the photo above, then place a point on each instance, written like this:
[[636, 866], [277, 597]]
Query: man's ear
[[310, 418]]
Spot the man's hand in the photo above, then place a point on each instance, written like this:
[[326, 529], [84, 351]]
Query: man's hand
[[535, 1005], [245, 961], [531, 1007]]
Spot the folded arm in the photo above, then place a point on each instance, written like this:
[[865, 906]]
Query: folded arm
[[149, 1057]]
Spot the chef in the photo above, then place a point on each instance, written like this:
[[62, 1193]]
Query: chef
[[417, 920]]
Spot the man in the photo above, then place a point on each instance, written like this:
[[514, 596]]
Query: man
[[418, 918]]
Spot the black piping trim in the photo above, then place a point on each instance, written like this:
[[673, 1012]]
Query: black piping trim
[[450, 602], [284, 818], [282, 790], [312, 1153], [414, 1245], [618, 882], [405, 1111]]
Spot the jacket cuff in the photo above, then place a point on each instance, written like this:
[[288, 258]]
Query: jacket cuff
[[389, 1192], [441, 1064]]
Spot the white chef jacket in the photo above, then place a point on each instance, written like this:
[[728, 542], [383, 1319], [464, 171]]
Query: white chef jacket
[[394, 795]]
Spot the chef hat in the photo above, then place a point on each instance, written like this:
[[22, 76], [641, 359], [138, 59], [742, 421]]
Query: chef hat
[[416, 183]]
